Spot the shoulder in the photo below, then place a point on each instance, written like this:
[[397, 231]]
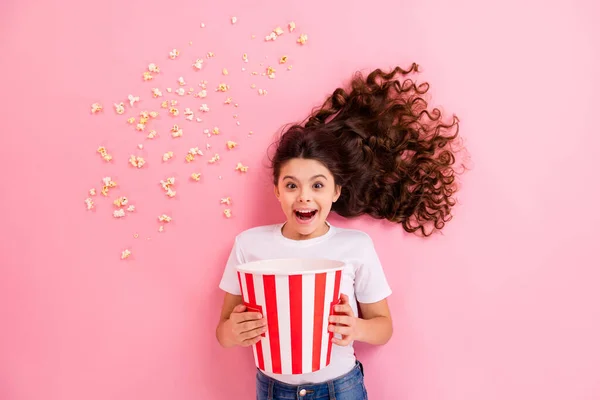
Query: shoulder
[[353, 236], [258, 233]]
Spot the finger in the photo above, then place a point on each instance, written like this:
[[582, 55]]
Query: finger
[[251, 325], [341, 342], [344, 309], [252, 334], [342, 319], [342, 330], [246, 316], [344, 299], [250, 342], [239, 308]]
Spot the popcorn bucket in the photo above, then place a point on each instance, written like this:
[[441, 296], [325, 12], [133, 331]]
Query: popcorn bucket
[[296, 296]]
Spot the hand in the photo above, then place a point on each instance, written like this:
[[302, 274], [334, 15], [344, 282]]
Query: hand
[[346, 322], [245, 327]]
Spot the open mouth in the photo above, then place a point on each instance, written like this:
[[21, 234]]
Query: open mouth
[[305, 215]]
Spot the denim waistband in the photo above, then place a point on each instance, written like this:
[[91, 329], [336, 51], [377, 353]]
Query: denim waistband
[[336, 385]]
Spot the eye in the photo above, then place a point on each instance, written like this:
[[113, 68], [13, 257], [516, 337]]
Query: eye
[[290, 185], [318, 185]]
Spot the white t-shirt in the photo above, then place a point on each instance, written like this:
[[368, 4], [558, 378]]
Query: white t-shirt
[[363, 277]]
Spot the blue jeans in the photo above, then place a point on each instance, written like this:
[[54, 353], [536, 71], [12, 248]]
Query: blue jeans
[[350, 386]]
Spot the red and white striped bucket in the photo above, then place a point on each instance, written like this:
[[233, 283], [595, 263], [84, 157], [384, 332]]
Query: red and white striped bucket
[[297, 297]]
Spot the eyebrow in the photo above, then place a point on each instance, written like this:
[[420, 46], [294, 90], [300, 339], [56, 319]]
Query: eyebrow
[[312, 179]]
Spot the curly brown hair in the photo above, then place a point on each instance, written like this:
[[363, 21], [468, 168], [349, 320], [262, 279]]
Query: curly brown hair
[[393, 158]]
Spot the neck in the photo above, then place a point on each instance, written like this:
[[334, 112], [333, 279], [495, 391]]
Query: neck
[[287, 232]]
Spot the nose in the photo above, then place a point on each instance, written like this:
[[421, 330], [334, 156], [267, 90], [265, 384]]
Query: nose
[[304, 196]]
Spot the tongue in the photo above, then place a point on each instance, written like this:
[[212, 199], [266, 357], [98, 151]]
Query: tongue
[[305, 216]]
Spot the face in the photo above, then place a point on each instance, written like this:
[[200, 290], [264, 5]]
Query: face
[[306, 191]]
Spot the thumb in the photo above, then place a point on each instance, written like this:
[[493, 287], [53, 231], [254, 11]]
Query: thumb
[[239, 308]]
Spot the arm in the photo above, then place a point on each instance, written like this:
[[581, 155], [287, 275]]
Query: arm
[[236, 326], [375, 327]]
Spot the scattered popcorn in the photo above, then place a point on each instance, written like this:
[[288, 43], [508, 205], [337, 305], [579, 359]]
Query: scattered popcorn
[[92, 192], [226, 200], [207, 146], [292, 26], [302, 39], [156, 92], [216, 130], [133, 99], [225, 72], [202, 94], [198, 63], [120, 213], [271, 36], [227, 212], [137, 162], [131, 208], [167, 186], [131, 120], [89, 203], [253, 36], [140, 127], [203, 84], [135, 235], [262, 92], [204, 108], [181, 81], [189, 114], [245, 57], [192, 153], [108, 183], [173, 103], [250, 133], [107, 157], [253, 86], [153, 114], [289, 68], [222, 87], [210, 54], [121, 201], [168, 90], [164, 104], [241, 167], [202, 25], [167, 156], [173, 111], [278, 31], [173, 54], [233, 20], [164, 218], [147, 76], [214, 159], [161, 228], [283, 60], [180, 91], [96, 108], [152, 134], [228, 100], [153, 68], [140, 146], [198, 120], [238, 123], [125, 254], [195, 176], [119, 108], [176, 131]]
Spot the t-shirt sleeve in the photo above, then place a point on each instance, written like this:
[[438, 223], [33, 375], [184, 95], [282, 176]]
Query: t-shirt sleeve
[[370, 282], [229, 280]]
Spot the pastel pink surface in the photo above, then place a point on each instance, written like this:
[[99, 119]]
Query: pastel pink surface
[[503, 305]]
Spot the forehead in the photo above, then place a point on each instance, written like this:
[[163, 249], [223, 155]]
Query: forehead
[[304, 169]]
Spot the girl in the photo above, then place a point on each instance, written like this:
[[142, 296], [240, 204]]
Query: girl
[[373, 149]]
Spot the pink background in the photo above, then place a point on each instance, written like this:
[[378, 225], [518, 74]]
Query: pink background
[[503, 305]]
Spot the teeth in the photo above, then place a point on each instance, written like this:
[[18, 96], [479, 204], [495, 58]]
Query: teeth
[[305, 211]]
